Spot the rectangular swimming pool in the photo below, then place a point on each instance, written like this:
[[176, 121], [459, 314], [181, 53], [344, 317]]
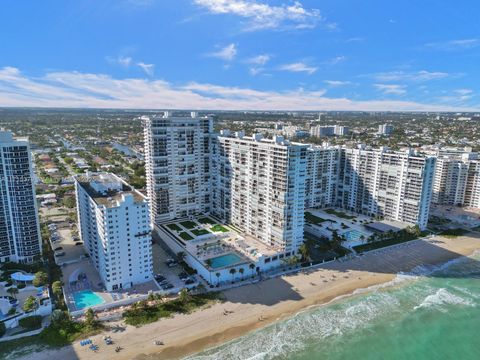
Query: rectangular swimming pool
[[354, 235], [224, 260], [86, 298]]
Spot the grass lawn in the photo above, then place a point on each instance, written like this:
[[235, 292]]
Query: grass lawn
[[206, 220], [313, 219], [188, 224], [200, 232], [185, 236], [217, 228], [379, 244], [453, 232], [340, 214], [174, 227]]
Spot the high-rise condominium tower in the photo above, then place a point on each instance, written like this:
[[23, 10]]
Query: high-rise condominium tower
[[177, 157], [115, 228], [20, 239], [259, 186]]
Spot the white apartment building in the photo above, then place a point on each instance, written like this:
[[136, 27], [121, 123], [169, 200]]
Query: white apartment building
[[322, 176], [329, 130], [177, 154], [258, 185], [385, 129], [392, 185], [114, 225], [457, 179], [20, 239]]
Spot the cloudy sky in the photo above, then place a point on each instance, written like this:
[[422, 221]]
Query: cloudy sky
[[241, 54]]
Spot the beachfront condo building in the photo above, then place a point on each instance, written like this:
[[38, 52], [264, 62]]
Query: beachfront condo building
[[382, 183], [258, 185], [394, 185], [20, 239], [457, 179], [329, 130], [322, 176], [385, 129], [177, 154], [114, 225]]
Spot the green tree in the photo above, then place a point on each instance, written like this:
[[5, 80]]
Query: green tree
[[13, 291], [252, 267], [40, 279], [3, 329], [30, 304], [57, 289], [305, 252], [233, 272], [241, 271], [184, 296], [91, 319]]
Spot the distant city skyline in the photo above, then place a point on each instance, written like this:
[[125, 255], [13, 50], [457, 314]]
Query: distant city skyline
[[241, 55]]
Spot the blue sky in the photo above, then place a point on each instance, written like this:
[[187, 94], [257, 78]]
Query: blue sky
[[241, 54]]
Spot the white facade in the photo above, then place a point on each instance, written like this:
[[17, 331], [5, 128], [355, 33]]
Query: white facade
[[385, 129], [114, 224], [258, 185], [376, 182], [177, 154], [392, 185], [329, 130], [457, 179], [20, 239]]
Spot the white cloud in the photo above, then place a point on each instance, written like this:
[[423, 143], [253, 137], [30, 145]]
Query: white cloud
[[410, 76], [391, 89], [147, 68], [125, 61], [454, 44], [263, 16], [299, 67], [75, 89], [337, 82], [228, 53], [463, 91], [259, 59], [336, 60]]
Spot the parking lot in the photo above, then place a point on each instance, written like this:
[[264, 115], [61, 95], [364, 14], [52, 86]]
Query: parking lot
[[67, 248], [169, 275]]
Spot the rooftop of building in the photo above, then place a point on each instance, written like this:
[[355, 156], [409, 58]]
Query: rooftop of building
[[107, 189], [258, 138]]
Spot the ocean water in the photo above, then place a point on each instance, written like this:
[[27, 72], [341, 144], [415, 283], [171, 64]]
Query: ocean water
[[431, 313]]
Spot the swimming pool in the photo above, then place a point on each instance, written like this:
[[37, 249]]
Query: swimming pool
[[86, 298], [224, 260], [354, 235]]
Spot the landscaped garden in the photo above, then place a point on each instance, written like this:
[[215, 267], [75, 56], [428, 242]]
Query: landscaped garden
[[185, 236], [174, 227], [339, 214], [309, 217], [200, 232], [189, 224], [219, 228]]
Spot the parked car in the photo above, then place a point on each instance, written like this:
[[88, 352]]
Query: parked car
[[190, 282], [172, 264], [183, 276], [79, 243], [60, 253], [58, 248], [167, 287], [160, 278]]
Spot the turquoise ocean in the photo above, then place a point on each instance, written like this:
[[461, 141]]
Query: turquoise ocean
[[430, 313]]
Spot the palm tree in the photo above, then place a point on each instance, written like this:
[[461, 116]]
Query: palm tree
[[241, 271], [181, 255], [252, 267], [218, 278], [304, 251], [184, 296], [13, 291], [233, 271]]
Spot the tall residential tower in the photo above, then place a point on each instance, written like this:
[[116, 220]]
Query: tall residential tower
[[20, 239]]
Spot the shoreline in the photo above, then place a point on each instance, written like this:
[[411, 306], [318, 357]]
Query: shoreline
[[258, 305]]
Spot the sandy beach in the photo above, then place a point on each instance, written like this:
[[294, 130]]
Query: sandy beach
[[253, 306]]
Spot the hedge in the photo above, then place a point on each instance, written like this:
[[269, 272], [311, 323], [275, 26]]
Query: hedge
[[31, 322]]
